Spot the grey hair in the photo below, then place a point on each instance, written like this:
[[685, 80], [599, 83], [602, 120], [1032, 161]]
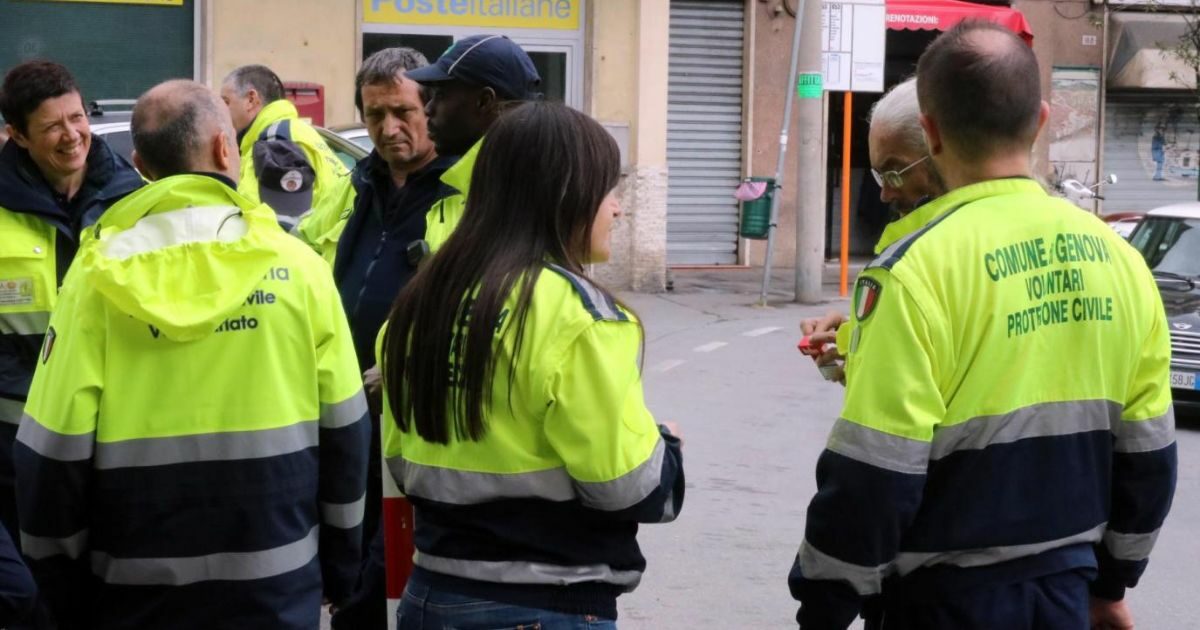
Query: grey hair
[[172, 124], [900, 111], [387, 66], [261, 78]]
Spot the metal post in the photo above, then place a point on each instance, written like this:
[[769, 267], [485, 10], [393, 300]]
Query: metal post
[[810, 182], [847, 118], [783, 142]]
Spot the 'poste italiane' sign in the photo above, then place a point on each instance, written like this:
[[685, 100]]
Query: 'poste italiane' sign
[[540, 14]]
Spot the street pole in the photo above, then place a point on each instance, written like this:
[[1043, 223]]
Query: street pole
[[776, 198], [810, 184], [847, 119]]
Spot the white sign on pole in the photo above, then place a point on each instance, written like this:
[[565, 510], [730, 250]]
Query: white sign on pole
[[853, 36]]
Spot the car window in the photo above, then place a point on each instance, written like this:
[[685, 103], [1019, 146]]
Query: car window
[[121, 143], [343, 155], [1170, 245], [363, 141]]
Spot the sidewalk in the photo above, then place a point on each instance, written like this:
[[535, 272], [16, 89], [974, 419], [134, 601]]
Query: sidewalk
[[748, 281]]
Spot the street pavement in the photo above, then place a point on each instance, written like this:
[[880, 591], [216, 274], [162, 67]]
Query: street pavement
[[754, 414]]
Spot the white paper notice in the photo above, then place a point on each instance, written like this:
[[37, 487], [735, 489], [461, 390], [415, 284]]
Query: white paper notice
[[853, 42]]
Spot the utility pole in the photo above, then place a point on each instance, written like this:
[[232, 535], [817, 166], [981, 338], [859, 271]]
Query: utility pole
[[810, 183], [793, 83]]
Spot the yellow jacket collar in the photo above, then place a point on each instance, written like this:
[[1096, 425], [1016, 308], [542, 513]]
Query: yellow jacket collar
[[927, 213], [459, 175], [282, 109]]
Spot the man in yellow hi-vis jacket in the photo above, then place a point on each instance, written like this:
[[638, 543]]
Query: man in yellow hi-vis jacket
[[1007, 441], [260, 113], [194, 449]]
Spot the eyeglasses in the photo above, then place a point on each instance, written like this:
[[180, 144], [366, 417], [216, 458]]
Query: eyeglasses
[[894, 179]]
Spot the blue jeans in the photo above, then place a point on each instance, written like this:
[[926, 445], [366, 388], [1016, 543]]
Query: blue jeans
[[424, 608]]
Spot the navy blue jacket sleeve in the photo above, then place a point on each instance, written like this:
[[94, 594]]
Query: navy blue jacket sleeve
[[17, 590]]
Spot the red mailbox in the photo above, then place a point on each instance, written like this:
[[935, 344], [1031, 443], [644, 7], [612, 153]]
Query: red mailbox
[[309, 99]]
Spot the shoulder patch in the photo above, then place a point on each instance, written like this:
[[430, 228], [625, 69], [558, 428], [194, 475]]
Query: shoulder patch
[[866, 297], [597, 302], [892, 255]]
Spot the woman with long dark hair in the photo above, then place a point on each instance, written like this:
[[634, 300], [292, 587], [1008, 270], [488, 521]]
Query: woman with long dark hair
[[515, 421]]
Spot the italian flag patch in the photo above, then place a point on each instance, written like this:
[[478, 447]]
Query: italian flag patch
[[866, 297]]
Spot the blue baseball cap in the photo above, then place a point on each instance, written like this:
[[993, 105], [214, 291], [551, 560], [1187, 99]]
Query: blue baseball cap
[[486, 60]]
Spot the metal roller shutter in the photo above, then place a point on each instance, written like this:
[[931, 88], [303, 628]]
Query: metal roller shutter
[[1130, 126], [704, 131]]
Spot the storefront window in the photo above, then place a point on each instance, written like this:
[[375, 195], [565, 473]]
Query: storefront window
[[552, 67]]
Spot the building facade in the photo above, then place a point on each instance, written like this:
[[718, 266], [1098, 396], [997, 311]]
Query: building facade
[[693, 91], [608, 58]]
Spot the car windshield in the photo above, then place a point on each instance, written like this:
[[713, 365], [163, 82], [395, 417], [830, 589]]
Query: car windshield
[[1170, 245]]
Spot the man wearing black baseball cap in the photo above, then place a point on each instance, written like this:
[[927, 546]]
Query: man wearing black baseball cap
[[285, 179], [471, 85]]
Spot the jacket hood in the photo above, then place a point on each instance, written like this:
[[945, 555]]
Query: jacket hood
[[24, 189], [181, 254]]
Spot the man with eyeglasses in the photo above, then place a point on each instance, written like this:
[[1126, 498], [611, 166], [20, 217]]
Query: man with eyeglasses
[[1005, 457], [899, 158], [907, 180]]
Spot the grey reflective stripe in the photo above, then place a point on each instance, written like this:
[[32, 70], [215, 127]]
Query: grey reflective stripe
[[879, 449], [464, 487], [519, 572], [11, 411], [39, 547], [396, 468], [818, 565], [344, 515], [207, 447], [229, 566], [272, 132], [891, 250], [345, 413], [595, 301], [908, 562], [1035, 421], [200, 224], [1142, 436], [52, 444], [669, 508], [628, 489], [34, 323], [1134, 547]]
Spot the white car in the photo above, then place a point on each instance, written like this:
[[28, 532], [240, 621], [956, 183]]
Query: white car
[[1169, 239], [114, 127], [356, 133]]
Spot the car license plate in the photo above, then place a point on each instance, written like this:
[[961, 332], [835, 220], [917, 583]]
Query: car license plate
[[1183, 380]]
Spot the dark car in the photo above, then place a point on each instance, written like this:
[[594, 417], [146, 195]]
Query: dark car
[[1169, 238]]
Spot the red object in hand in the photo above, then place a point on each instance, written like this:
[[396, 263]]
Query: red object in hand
[[807, 348]]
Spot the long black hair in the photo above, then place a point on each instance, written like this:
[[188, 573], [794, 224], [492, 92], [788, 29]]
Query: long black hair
[[540, 178]]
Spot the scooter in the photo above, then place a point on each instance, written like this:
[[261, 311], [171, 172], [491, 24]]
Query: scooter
[[1079, 194]]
